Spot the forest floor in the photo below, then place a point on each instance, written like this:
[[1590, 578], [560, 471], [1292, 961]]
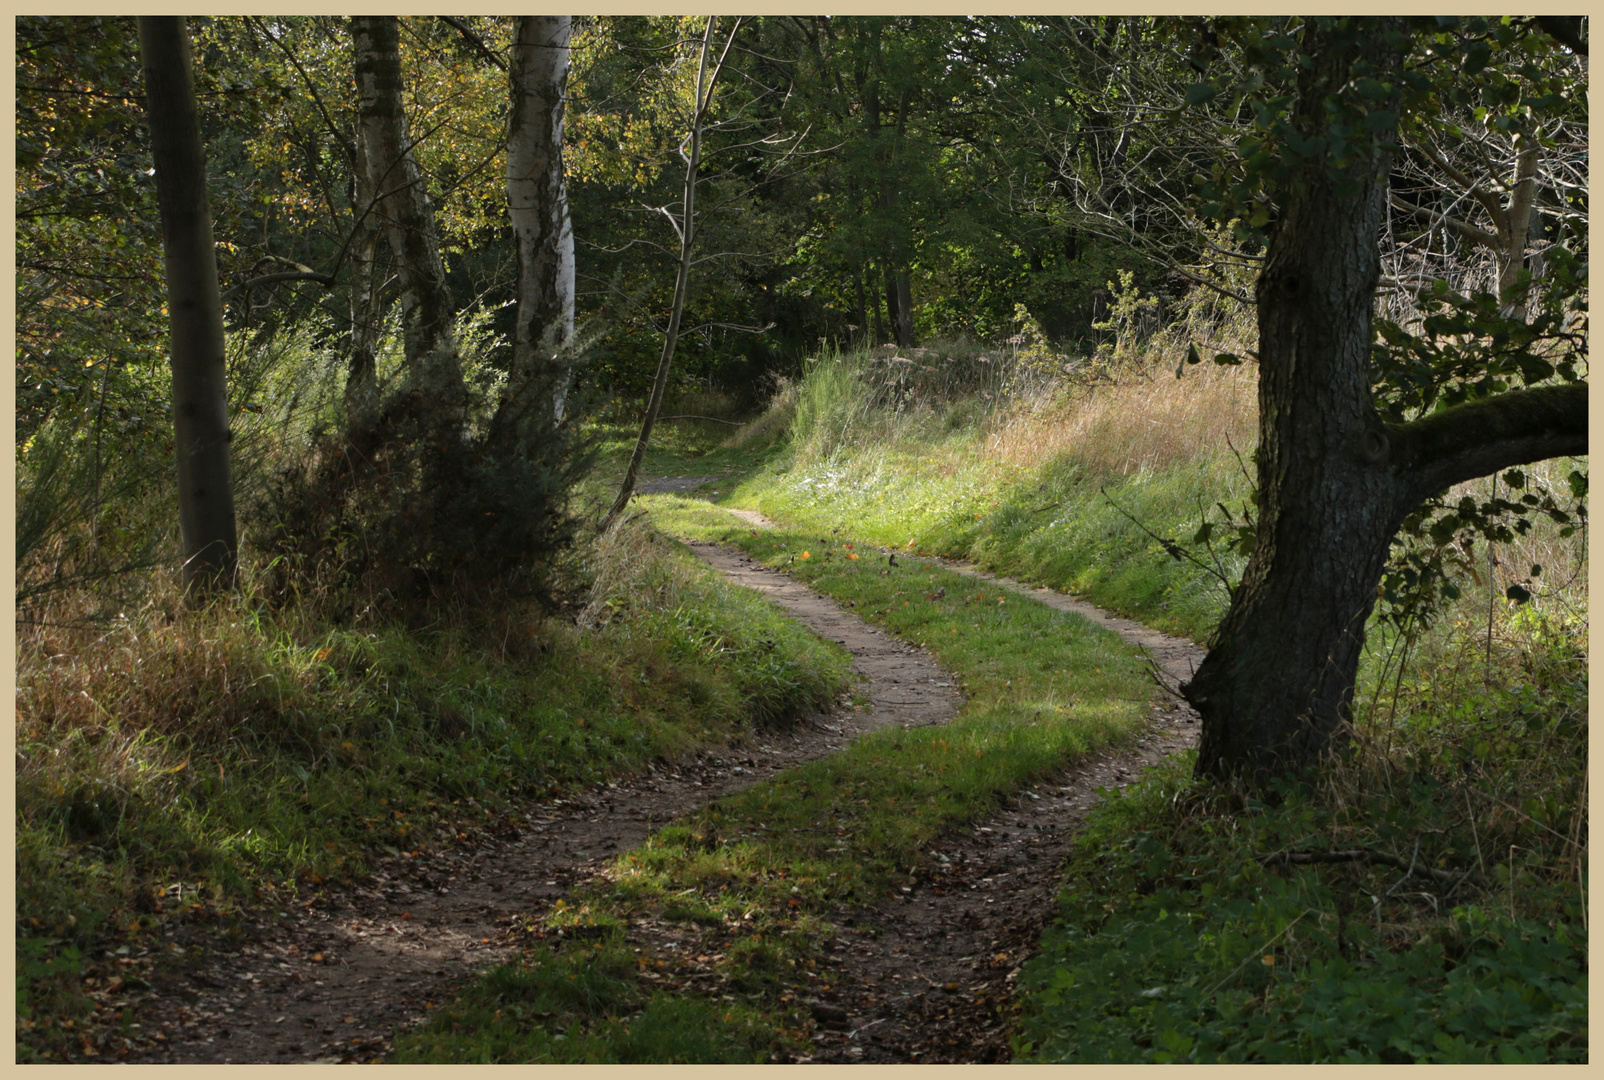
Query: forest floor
[[925, 976]]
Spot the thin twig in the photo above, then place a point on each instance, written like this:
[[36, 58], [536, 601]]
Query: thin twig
[[1173, 549], [1302, 858], [691, 416]]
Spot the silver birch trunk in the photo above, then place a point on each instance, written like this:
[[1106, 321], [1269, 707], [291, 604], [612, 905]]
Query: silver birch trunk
[[537, 204], [434, 371]]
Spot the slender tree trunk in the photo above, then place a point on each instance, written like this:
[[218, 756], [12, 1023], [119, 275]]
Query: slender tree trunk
[[879, 322], [862, 314], [1518, 218], [537, 203], [1335, 482], [687, 237], [899, 291], [434, 370], [899, 305], [194, 309], [361, 381]]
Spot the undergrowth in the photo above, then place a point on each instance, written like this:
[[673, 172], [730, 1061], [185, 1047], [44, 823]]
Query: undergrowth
[[1423, 900], [176, 764]]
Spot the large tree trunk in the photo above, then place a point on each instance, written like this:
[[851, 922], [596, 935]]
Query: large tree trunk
[[1276, 686], [194, 308], [537, 203], [1334, 481], [434, 372]]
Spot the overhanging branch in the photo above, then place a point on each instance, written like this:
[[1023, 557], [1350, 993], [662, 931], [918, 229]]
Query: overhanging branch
[[1483, 436]]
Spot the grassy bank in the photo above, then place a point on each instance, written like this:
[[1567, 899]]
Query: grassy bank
[[759, 879], [176, 765], [1053, 488]]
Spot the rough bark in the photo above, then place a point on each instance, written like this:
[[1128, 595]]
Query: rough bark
[[434, 371], [1335, 482], [194, 308], [537, 203], [1276, 686]]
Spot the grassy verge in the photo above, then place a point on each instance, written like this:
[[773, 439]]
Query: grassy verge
[[179, 764], [1047, 486], [752, 885], [1461, 936], [1057, 525]]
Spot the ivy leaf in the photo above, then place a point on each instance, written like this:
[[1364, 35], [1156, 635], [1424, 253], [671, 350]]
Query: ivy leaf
[[1201, 93], [1518, 593]]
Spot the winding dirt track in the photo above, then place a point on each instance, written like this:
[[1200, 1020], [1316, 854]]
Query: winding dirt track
[[923, 976]]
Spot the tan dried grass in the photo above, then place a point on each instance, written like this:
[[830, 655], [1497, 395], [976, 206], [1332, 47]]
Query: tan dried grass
[[1141, 421]]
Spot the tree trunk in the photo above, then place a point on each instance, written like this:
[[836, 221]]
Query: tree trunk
[[361, 380], [537, 203], [194, 309], [1334, 481], [1276, 686], [899, 306], [434, 371], [899, 294], [879, 322], [1518, 219], [861, 316]]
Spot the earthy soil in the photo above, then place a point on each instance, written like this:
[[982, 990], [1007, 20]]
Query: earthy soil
[[924, 976]]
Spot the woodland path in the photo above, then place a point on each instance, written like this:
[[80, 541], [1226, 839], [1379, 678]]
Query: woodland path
[[924, 977]]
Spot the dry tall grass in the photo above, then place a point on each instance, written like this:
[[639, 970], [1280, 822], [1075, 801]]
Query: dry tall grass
[[1144, 421]]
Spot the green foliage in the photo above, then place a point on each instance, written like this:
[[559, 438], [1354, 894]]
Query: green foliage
[[1182, 939], [363, 514]]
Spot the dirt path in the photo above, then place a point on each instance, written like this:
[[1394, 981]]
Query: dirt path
[[923, 977], [928, 976]]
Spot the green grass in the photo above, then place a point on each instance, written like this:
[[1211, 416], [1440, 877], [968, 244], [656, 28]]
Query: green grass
[[1472, 756], [759, 876], [536, 1011], [179, 770], [1177, 943], [1055, 525]]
